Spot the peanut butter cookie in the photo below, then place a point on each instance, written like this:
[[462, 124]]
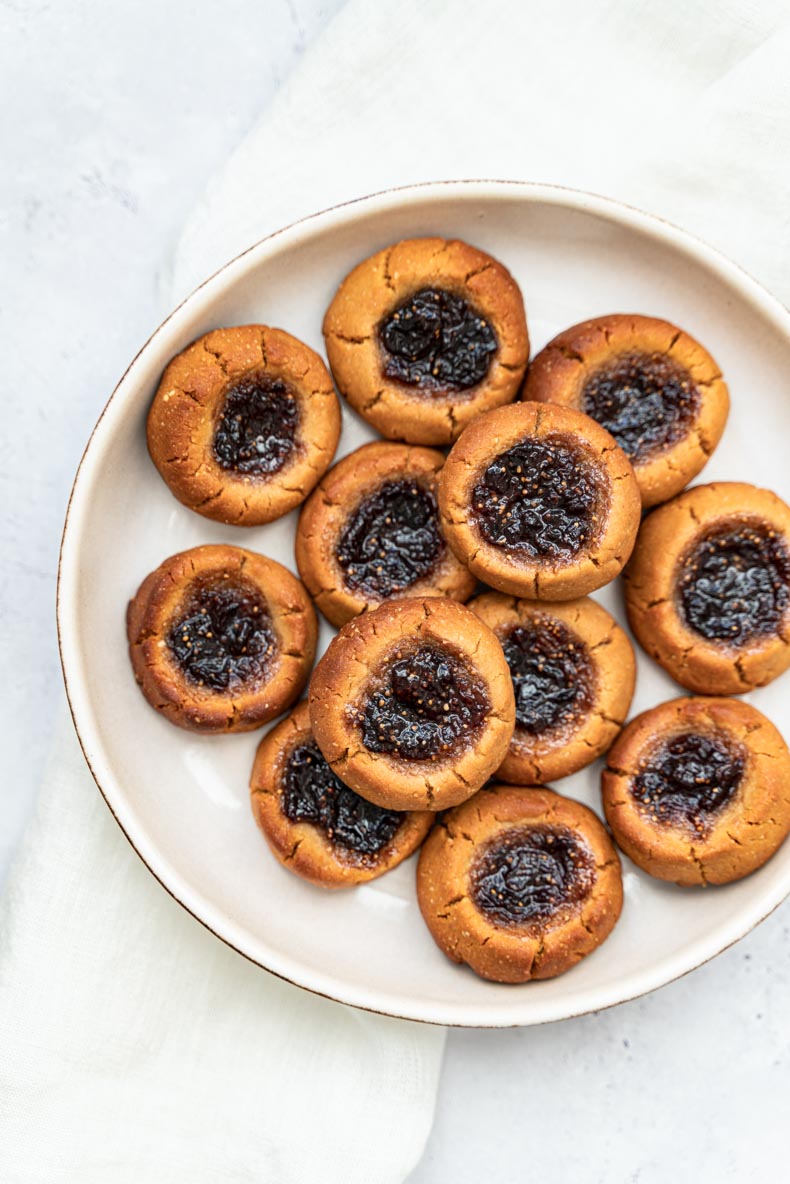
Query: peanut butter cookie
[[371, 532], [424, 336], [519, 883], [221, 639], [697, 791], [244, 423], [707, 589], [412, 704], [539, 501]]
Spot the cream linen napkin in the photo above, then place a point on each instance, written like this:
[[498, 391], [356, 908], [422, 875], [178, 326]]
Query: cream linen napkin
[[138, 1048], [681, 107]]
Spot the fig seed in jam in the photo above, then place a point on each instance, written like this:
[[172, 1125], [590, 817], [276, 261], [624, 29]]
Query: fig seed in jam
[[646, 401], [689, 779], [542, 497], [735, 583], [531, 876], [552, 674], [436, 340], [223, 637], [425, 704], [391, 540], [313, 793], [256, 430]]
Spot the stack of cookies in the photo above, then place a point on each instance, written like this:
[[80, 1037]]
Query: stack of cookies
[[471, 665]]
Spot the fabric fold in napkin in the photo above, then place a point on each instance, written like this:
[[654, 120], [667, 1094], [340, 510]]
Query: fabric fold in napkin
[[682, 109], [140, 1048]]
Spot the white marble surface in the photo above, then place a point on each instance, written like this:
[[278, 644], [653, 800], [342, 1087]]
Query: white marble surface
[[115, 116]]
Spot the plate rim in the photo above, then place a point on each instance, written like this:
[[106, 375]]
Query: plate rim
[[444, 1012]]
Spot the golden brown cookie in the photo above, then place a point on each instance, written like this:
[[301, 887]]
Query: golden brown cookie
[[538, 500], [317, 826], [244, 423], [707, 590], [519, 883], [573, 670], [697, 791], [424, 336], [652, 386], [371, 532], [412, 704], [221, 639]]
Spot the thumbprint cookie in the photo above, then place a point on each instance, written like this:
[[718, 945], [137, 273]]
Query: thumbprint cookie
[[573, 670], [244, 423], [652, 386], [539, 501], [412, 704], [221, 639], [371, 531], [696, 790], [707, 590], [424, 336], [519, 883], [317, 826]]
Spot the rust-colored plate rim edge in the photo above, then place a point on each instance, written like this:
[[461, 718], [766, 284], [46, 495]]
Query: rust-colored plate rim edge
[[450, 1012]]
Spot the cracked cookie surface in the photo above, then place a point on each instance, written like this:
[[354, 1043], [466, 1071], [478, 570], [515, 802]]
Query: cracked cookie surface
[[697, 791], [653, 387], [519, 883], [412, 704], [371, 532], [221, 639], [317, 826], [573, 670], [539, 501], [244, 422], [707, 589], [424, 336]]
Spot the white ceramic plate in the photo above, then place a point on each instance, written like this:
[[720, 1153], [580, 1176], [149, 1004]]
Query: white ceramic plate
[[182, 800]]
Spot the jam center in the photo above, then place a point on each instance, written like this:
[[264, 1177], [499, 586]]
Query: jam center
[[735, 583], [646, 401], [531, 876], [313, 793], [427, 703], [256, 431], [689, 779], [224, 638], [391, 540], [552, 674], [542, 497], [436, 340]]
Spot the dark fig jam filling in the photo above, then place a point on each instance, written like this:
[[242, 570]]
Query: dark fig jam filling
[[257, 425], [543, 497], [311, 792], [532, 876], [425, 703], [646, 401], [735, 583], [436, 340], [391, 540], [223, 638], [689, 779], [553, 676]]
